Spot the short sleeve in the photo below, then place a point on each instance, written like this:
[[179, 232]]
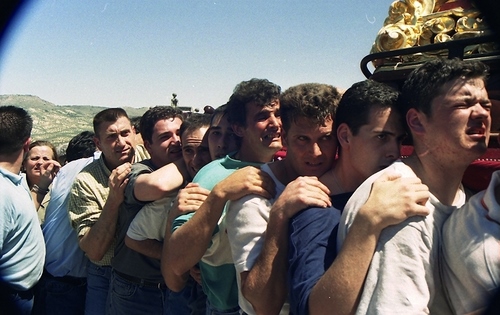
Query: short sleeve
[[312, 249]]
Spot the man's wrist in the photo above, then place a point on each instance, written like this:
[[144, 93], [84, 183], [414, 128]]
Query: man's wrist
[[39, 190]]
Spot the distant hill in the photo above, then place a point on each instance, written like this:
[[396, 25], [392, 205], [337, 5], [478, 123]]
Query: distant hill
[[55, 123]]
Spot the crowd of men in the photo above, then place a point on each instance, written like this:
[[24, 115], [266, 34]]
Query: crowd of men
[[203, 218]]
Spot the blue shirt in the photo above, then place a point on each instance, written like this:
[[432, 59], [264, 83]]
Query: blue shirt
[[64, 256], [312, 249], [22, 251]]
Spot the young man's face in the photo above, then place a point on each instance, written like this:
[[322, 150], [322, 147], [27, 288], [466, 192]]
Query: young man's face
[[263, 127], [191, 141], [202, 156], [459, 126], [311, 148], [166, 143], [221, 139], [116, 140], [377, 144]]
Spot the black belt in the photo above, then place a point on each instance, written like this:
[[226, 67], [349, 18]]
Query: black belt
[[141, 282], [67, 279]]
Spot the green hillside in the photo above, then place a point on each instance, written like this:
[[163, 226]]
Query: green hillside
[[56, 123]]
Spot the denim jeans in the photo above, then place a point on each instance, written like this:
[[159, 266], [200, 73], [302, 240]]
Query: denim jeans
[[213, 311], [54, 296], [98, 279], [126, 297], [197, 299], [15, 302]]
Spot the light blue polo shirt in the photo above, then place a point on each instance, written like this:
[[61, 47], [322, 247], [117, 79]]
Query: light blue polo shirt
[[22, 249]]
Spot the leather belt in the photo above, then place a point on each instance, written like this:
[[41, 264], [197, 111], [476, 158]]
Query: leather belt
[[141, 282], [67, 279]]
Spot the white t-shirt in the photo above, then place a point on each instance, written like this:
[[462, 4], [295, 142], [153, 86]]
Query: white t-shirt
[[150, 222], [404, 275], [246, 222], [471, 251]]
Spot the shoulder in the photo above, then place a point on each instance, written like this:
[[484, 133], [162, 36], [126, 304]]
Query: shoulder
[[315, 220]]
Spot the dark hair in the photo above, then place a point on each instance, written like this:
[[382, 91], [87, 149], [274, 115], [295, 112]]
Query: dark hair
[[136, 123], [194, 122], [218, 113], [355, 106], [260, 91], [80, 146], [15, 129], [108, 115], [44, 143], [153, 115], [314, 101], [425, 82]]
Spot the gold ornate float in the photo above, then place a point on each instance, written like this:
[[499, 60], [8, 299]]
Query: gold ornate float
[[414, 23]]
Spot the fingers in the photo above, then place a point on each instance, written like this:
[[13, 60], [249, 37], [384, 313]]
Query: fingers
[[191, 198], [118, 177], [418, 209], [302, 193], [191, 184], [388, 175], [50, 168], [394, 199]]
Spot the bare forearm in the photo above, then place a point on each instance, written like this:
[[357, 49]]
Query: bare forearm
[[149, 247], [190, 241], [96, 242], [340, 287], [160, 183], [174, 282], [264, 286]]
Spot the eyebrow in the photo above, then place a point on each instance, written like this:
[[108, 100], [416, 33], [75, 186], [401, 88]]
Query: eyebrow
[[386, 132]]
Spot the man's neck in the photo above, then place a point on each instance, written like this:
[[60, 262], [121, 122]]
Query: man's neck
[[247, 154], [342, 177], [12, 162], [443, 180]]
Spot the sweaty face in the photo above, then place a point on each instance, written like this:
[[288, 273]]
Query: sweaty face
[[458, 128], [165, 145], [191, 141], [202, 157], [311, 148], [262, 132], [35, 158], [377, 144], [221, 138], [116, 140]]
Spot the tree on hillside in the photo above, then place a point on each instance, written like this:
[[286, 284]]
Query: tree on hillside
[[174, 100]]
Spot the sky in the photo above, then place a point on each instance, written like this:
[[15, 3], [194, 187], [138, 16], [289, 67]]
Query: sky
[[138, 52]]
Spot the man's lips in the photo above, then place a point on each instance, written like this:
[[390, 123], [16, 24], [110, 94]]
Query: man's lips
[[175, 151], [476, 131], [271, 136]]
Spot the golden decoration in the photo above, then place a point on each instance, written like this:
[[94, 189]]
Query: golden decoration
[[422, 22]]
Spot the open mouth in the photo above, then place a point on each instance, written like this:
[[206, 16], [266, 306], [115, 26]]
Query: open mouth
[[314, 164], [476, 131], [271, 136], [175, 151], [124, 152]]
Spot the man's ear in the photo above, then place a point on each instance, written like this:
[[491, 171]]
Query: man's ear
[[147, 145], [238, 130], [414, 121], [284, 138], [97, 142], [344, 134], [26, 145]]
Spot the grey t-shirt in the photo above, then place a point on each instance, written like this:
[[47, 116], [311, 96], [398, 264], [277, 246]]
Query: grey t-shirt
[[126, 260]]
